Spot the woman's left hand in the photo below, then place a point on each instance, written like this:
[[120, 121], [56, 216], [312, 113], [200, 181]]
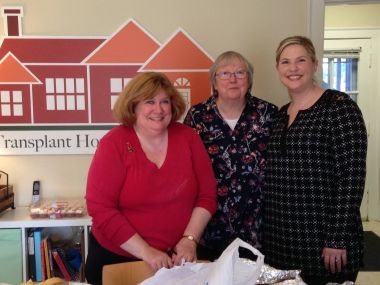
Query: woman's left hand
[[185, 250], [334, 258]]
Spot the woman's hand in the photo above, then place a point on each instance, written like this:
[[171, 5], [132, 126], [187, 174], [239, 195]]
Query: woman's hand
[[156, 258], [138, 247], [334, 258], [185, 250]]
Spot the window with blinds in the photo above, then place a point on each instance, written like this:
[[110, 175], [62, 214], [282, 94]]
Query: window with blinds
[[340, 70]]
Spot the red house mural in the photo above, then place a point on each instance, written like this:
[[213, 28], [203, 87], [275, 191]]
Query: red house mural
[[76, 80], [15, 90], [113, 64]]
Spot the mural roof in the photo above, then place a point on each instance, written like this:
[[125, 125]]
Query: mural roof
[[180, 52], [131, 44], [12, 71], [49, 50]]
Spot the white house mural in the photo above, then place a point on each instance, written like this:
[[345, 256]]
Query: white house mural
[[51, 87]]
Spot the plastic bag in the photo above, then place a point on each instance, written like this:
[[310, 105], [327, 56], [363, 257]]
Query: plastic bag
[[228, 269], [187, 273]]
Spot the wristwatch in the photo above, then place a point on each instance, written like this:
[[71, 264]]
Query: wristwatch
[[190, 237]]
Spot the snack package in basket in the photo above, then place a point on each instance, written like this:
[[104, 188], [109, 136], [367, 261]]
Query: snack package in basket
[[58, 209]]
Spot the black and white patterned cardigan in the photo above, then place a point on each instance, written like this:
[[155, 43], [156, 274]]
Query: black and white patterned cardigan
[[315, 180]]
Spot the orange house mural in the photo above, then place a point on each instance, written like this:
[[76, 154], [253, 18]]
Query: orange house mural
[[74, 81], [186, 64]]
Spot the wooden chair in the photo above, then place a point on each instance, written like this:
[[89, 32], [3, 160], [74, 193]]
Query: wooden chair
[[127, 273]]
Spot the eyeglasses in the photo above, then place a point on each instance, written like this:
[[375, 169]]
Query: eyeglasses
[[225, 75]]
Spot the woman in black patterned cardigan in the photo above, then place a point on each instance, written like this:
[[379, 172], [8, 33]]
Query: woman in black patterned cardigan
[[315, 175]]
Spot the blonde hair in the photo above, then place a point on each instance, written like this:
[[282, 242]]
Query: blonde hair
[[296, 40], [142, 87]]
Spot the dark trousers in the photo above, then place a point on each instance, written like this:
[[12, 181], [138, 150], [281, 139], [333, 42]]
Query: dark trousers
[[97, 257], [333, 278], [211, 254], [205, 253]]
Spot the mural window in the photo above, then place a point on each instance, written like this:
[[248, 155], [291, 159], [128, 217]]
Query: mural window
[[65, 94], [11, 103], [183, 87], [116, 86]]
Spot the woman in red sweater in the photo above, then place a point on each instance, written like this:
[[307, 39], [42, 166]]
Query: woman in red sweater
[[150, 188]]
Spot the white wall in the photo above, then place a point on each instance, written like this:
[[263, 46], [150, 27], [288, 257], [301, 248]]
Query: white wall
[[252, 27]]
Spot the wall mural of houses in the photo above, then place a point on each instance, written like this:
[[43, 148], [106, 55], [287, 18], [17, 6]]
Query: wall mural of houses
[[74, 81]]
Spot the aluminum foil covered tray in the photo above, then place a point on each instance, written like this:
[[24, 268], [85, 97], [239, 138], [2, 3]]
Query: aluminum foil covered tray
[[270, 275]]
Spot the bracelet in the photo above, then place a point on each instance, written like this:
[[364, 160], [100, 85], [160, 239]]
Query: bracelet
[[190, 237]]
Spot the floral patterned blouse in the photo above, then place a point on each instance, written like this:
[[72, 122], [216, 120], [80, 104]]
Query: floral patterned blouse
[[238, 157]]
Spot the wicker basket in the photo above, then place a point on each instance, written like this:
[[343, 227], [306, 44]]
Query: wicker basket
[[6, 193]]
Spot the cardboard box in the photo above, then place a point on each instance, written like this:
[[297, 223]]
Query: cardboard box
[[128, 273], [51, 281], [6, 197]]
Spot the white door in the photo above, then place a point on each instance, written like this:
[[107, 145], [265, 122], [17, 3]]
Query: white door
[[359, 50]]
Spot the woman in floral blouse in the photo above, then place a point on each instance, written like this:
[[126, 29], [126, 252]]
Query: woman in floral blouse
[[234, 127]]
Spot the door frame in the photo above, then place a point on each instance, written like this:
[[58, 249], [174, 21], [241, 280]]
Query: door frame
[[370, 107]]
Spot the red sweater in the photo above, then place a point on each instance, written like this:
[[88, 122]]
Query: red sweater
[[127, 194]]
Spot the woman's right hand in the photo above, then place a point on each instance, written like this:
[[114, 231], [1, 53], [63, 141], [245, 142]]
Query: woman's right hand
[[156, 258], [138, 247]]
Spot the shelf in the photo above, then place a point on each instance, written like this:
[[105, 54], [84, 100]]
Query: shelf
[[20, 218]]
